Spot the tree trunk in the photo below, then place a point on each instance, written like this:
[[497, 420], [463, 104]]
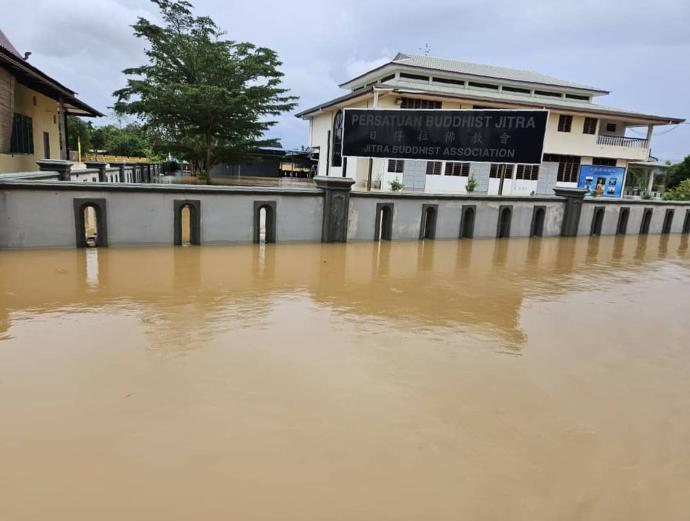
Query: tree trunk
[[208, 158]]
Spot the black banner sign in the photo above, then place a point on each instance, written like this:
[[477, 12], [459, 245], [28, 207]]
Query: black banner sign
[[493, 136]]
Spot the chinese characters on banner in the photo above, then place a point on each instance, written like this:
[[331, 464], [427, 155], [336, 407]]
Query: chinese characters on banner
[[495, 136]]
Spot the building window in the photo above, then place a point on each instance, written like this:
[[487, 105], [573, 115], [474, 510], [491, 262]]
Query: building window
[[396, 165], [433, 167], [519, 90], [565, 122], [479, 85], [448, 81], [22, 141], [416, 103], [577, 97], [590, 126], [337, 151], [527, 172], [610, 127], [603, 161], [387, 78], [499, 170], [458, 169], [548, 93], [568, 167], [414, 76]]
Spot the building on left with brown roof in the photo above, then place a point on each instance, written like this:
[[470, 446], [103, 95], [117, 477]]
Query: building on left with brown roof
[[33, 112]]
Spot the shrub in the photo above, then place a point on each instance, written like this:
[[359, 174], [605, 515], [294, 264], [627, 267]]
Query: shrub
[[680, 192], [396, 185], [472, 184]]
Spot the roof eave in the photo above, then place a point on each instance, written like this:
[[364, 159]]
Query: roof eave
[[68, 95], [646, 118], [352, 95]]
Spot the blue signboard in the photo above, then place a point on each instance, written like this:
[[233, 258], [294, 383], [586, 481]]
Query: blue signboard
[[602, 181]]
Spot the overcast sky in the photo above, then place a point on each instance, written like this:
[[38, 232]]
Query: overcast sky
[[639, 50]]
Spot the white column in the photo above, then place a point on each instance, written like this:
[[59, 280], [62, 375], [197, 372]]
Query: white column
[[650, 129], [650, 182]]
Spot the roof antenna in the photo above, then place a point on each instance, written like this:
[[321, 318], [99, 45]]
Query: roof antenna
[[426, 49], [27, 54]]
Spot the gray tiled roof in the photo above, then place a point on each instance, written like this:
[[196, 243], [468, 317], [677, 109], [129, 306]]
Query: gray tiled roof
[[487, 71]]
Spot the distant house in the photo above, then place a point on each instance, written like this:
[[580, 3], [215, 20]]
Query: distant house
[[269, 162], [33, 112]]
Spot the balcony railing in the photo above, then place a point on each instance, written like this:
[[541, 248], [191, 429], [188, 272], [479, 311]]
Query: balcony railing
[[621, 141]]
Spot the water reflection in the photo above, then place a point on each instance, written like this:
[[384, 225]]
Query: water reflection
[[187, 294]]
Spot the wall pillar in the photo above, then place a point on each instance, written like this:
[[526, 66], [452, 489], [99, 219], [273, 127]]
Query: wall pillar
[[573, 208], [63, 168], [336, 207], [100, 166], [121, 167], [62, 123]]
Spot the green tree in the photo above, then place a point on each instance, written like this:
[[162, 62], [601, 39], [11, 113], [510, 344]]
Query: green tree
[[680, 193], [203, 98], [79, 131], [129, 140], [678, 173]]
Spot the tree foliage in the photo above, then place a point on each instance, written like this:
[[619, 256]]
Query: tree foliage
[[128, 140], [678, 173], [680, 193], [202, 97]]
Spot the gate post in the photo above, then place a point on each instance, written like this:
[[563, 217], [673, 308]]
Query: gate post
[[336, 207], [571, 212]]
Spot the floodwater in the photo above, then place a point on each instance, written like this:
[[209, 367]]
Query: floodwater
[[485, 380]]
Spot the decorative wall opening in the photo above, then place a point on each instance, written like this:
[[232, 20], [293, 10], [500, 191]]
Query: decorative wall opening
[[686, 222], [505, 216], [538, 218], [383, 230], [90, 221], [623, 217], [467, 218], [646, 221], [427, 228], [265, 222], [668, 222], [187, 221], [597, 221]]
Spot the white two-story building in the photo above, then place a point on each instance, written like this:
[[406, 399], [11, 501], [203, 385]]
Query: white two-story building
[[579, 131]]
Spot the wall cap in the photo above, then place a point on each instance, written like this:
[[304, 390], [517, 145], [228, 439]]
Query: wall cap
[[333, 183], [578, 193]]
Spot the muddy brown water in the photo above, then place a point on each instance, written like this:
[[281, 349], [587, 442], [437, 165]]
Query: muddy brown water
[[490, 380]]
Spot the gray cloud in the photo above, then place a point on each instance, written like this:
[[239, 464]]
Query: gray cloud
[[639, 52]]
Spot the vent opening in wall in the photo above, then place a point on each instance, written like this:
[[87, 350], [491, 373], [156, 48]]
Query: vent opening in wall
[[427, 228], [187, 222], [538, 218], [646, 221], [668, 221], [597, 221], [383, 229], [467, 218], [505, 216], [623, 216], [265, 222]]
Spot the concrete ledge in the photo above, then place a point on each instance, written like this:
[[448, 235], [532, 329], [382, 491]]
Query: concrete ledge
[[456, 197], [160, 188]]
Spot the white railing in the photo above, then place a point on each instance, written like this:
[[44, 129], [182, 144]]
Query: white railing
[[621, 141]]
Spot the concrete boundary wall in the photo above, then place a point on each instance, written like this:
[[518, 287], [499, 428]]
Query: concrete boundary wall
[[36, 212]]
